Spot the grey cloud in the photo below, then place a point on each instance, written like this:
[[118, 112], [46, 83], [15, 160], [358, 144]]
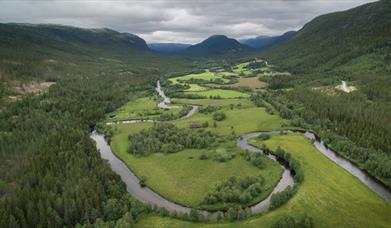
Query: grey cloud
[[176, 20]]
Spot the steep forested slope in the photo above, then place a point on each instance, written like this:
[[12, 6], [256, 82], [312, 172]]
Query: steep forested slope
[[51, 174], [52, 52], [267, 41], [351, 41], [353, 45], [51, 39]]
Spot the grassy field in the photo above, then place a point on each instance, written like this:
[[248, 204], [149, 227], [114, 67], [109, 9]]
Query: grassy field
[[329, 194], [182, 177], [251, 82], [207, 75], [195, 88], [245, 103], [241, 69], [223, 93], [246, 118], [142, 108], [196, 177], [238, 120]]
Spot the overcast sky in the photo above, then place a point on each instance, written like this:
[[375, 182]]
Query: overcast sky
[[185, 21]]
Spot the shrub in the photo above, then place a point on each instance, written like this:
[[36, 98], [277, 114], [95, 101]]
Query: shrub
[[264, 137], [219, 116], [203, 157], [235, 191], [142, 181], [280, 198]]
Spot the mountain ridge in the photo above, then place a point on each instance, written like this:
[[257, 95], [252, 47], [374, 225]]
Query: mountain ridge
[[216, 44], [267, 41], [169, 48], [340, 42]]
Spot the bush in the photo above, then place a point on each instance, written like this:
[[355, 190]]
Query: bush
[[284, 221], [291, 162], [288, 221], [280, 198], [254, 158], [142, 181], [235, 191], [223, 155], [264, 137], [203, 157], [209, 109], [219, 116]]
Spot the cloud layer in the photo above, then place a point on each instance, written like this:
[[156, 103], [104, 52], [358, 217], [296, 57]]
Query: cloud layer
[[185, 21]]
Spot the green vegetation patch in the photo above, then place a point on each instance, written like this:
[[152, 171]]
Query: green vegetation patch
[[221, 93], [238, 120], [185, 177], [223, 102], [195, 88], [328, 194], [144, 108], [207, 75], [250, 82], [167, 138]]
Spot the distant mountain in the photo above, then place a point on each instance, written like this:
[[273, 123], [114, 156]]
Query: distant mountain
[[168, 47], [54, 40], [354, 42], [217, 44], [267, 41]]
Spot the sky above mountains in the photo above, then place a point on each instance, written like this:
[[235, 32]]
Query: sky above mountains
[[181, 21]]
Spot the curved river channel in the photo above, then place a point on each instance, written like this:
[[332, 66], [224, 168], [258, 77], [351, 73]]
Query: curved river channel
[[148, 196]]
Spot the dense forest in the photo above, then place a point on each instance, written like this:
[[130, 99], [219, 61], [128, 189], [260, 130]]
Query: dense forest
[[167, 138], [351, 125], [355, 124], [60, 179], [52, 174]]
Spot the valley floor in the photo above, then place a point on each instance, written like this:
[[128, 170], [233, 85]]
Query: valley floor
[[330, 195]]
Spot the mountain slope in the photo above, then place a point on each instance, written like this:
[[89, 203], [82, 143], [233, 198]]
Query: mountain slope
[[168, 47], [22, 39], [39, 53], [217, 44], [267, 41], [346, 41]]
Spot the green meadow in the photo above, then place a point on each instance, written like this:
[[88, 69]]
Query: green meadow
[[329, 194], [222, 93], [195, 88], [195, 178], [207, 75], [184, 178], [142, 108]]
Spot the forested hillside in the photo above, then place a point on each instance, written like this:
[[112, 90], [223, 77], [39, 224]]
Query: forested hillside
[[353, 45], [267, 41], [51, 173], [39, 53], [349, 42]]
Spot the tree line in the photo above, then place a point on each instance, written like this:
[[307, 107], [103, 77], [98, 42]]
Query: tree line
[[167, 138]]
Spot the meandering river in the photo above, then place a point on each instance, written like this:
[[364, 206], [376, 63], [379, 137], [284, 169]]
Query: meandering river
[[163, 105], [146, 195]]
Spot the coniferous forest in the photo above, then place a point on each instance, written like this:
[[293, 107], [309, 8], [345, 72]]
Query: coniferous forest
[[226, 150]]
